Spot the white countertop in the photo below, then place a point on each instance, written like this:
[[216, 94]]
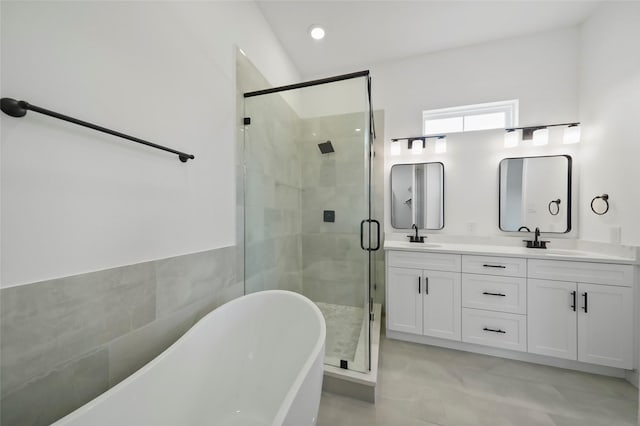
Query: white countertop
[[508, 251]]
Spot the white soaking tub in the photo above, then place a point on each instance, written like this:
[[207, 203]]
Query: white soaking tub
[[257, 360]]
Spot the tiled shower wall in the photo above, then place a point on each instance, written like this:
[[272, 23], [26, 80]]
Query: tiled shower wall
[[334, 264], [288, 185], [65, 341], [272, 191]]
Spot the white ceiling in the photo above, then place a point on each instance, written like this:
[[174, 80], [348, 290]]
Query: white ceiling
[[364, 33]]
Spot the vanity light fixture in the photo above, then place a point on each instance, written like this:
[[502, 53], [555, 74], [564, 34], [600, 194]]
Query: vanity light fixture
[[539, 135], [316, 32], [395, 148], [511, 138], [417, 145], [441, 145], [571, 134]]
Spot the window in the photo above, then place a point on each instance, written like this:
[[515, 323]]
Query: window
[[466, 118]]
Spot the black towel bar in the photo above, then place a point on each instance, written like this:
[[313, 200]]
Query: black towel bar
[[16, 108]]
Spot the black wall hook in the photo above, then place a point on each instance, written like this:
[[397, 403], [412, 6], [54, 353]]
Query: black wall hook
[[19, 109]]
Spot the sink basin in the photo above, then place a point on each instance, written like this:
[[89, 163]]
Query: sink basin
[[420, 245], [430, 245], [561, 252]]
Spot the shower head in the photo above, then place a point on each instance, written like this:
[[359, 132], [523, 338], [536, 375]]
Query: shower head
[[326, 147]]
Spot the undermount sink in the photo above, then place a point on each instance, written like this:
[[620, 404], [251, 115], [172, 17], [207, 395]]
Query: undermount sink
[[427, 245], [562, 252]]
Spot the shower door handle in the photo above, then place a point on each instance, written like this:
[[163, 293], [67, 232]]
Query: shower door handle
[[377, 247]]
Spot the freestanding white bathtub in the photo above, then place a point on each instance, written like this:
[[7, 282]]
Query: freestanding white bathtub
[[257, 360]]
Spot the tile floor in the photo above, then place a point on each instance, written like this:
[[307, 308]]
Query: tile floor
[[423, 385]]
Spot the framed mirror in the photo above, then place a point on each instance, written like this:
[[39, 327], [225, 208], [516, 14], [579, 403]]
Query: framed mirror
[[535, 192], [417, 195]]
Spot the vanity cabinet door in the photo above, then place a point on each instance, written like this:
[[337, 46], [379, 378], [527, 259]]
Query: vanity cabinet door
[[404, 300], [442, 305], [605, 334], [551, 319]]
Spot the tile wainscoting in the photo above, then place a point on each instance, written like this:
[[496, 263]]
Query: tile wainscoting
[[65, 341]]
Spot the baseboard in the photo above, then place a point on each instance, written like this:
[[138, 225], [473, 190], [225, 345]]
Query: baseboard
[[632, 377], [518, 356]]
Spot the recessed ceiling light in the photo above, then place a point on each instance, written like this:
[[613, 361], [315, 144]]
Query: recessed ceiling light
[[316, 32]]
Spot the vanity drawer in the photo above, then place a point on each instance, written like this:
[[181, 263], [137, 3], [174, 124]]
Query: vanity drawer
[[502, 294], [582, 272], [498, 329], [493, 265], [419, 260]]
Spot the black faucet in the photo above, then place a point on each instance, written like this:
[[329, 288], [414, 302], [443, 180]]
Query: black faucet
[[536, 243], [416, 238]]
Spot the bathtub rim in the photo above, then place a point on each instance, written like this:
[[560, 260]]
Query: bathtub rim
[[285, 406], [318, 351]]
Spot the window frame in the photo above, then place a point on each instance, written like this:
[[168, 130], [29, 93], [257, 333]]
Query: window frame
[[509, 107]]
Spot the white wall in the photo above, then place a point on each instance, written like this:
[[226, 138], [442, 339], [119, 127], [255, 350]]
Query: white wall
[[74, 200], [539, 70], [609, 77]]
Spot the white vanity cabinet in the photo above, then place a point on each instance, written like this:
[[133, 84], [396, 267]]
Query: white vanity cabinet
[[423, 296], [585, 321], [578, 310], [404, 300], [494, 301]]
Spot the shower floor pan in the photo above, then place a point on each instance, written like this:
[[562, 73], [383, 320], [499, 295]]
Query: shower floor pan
[[346, 334]]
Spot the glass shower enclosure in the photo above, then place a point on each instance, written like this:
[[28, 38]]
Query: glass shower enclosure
[[308, 222]]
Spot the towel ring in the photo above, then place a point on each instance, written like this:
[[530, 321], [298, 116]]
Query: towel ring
[[554, 203], [603, 197]]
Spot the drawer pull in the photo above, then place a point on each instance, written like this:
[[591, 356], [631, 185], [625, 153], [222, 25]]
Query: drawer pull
[[573, 295], [494, 331], [488, 293], [419, 285], [426, 285], [494, 266], [585, 303]]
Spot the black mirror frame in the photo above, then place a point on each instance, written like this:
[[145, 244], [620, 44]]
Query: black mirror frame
[[443, 193], [569, 190]]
